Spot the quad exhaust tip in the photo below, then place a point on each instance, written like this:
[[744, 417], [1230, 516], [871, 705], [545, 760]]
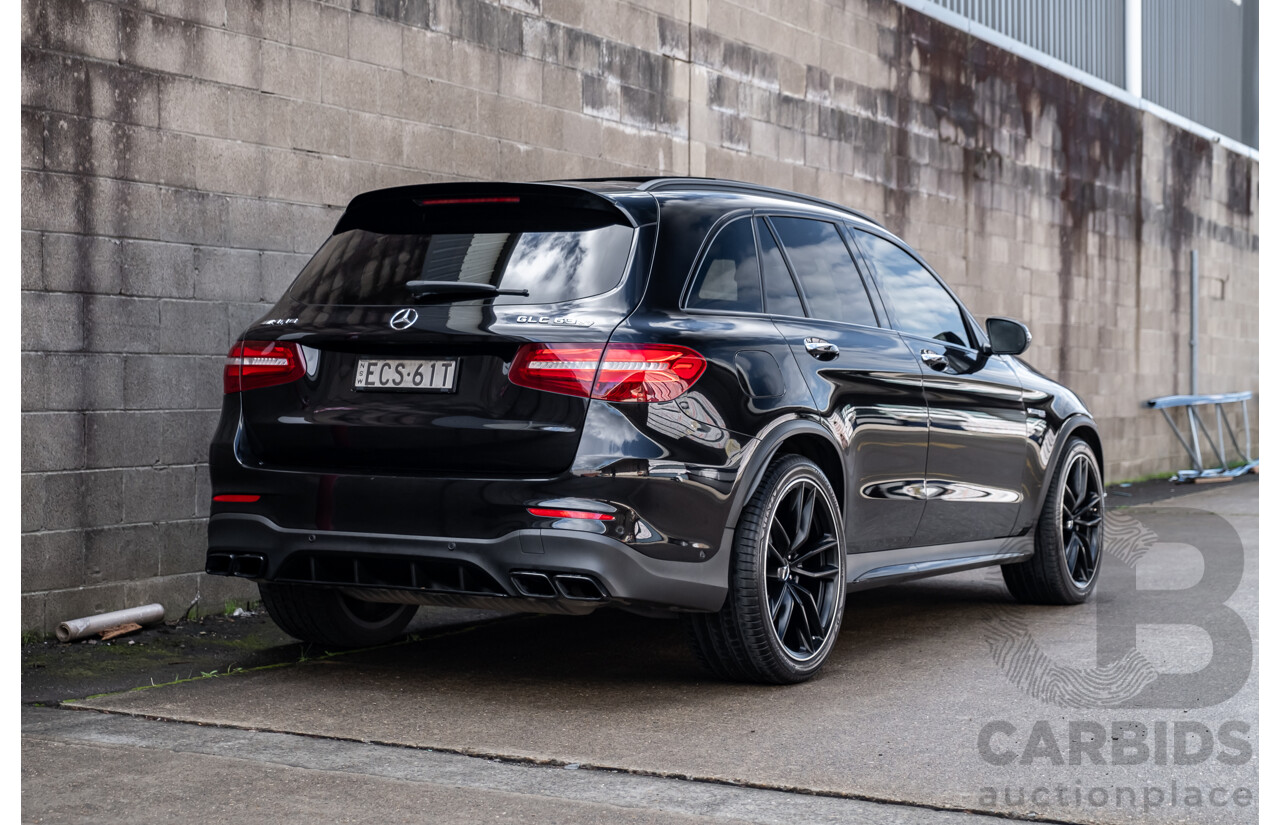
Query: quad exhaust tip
[[571, 586], [242, 565]]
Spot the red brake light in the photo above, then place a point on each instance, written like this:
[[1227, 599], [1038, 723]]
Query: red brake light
[[254, 364], [456, 201], [619, 372], [236, 498]]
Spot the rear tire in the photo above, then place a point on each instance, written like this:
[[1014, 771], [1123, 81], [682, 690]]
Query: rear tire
[[327, 617], [1068, 535], [786, 596]]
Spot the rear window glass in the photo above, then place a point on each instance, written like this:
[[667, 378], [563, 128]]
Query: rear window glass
[[361, 266]]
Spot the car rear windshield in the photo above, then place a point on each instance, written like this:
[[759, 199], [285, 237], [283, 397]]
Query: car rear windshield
[[371, 265]]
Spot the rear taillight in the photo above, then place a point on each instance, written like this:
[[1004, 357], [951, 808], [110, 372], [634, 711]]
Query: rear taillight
[[618, 372], [255, 364]]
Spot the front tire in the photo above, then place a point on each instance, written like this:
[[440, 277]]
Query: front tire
[[1068, 536], [786, 594], [327, 617]]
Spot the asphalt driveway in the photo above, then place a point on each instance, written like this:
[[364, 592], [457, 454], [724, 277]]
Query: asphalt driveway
[[941, 694]]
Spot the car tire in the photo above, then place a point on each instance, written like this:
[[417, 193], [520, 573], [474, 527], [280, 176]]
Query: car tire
[[786, 595], [1068, 535], [326, 617]]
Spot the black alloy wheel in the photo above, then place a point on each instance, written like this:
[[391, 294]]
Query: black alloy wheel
[[1081, 520], [1069, 538], [786, 596], [802, 569]]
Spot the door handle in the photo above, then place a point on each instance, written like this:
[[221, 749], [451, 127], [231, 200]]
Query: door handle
[[933, 359], [821, 349]]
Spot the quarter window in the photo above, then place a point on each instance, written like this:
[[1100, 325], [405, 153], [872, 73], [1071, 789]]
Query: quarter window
[[918, 303], [830, 280], [729, 278]]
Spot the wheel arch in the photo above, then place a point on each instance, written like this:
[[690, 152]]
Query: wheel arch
[[798, 436], [1077, 426]]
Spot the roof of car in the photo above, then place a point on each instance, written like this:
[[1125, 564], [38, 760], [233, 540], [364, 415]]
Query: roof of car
[[697, 184]]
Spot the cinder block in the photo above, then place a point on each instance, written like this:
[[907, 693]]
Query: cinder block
[[52, 560], [290, 71], [33, 617], [191, 105], [373, 40], [52, 321], [319, 27], [228, 274], [192, 217], [73, 27], [156, 382], [118, 554], [70, 382], [144, 439], [33, 499], [349, 84], [155, 42], [376, 138], [32, 140], [74, 500], [157, 269], [159, 494], [32, 259], [183, 545], [191, 327], [255, 223]]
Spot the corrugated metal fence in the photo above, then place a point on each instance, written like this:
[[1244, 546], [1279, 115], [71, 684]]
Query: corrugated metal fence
[[1199, 57]]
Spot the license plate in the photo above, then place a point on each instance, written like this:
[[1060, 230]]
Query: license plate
[[407, 375]]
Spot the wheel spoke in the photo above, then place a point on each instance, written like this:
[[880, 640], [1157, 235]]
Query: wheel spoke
[[1090, 502], [1073, 552], [778, 536], [803, 511], [810, 619], [782, 611], [1079, 479], [825, 546], [827, 571]]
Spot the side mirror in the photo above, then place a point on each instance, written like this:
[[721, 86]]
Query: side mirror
[[1008, 337]]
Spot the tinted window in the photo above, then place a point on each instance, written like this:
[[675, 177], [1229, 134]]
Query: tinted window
[[360, 266], [919, 304], [831, 283], [781, 297], [729, 277]]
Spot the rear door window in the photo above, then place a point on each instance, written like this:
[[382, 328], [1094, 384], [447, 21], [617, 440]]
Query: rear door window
[[918, 303], [366, 267], [729, 277], [826, 271], [781, 297]]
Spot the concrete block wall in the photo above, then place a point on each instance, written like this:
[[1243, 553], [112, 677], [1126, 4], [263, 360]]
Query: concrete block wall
[[181, 160]]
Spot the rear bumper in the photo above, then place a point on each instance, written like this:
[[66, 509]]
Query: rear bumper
[[466, 571]]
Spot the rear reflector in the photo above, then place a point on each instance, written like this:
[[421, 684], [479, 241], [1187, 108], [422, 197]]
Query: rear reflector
[[255, 364], [543, 512], [619, 372], [236, 498], [457, 201]]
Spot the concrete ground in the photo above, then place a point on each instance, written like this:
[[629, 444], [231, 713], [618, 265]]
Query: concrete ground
[[943, 702]]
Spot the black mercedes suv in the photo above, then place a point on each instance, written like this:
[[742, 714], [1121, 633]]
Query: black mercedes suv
[[674, 396]]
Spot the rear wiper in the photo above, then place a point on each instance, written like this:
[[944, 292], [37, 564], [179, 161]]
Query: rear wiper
[[455, 290]]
